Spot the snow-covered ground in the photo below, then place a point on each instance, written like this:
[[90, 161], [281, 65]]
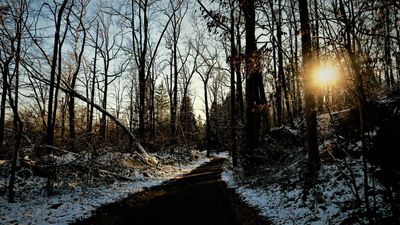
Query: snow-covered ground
[[329, 202], [277, 189], [80, 202]]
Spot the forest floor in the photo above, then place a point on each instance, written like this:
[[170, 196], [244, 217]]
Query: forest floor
[[79, 192], [280, 189], [200, 197]]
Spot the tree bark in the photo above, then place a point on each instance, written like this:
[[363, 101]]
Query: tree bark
[[90, 125], [142, 72], [3, 103], [310, 112], [388, 58], [174, 105], [238, 68], [320, 92], [277, 62], [255, 95], [208, 127], [49, 138], [232, 86], [71, 102], [18, 126], [17, 123], [281, 74]]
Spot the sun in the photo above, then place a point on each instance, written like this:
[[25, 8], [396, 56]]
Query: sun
[[326, 75]]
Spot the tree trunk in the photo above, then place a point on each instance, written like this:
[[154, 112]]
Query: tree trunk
[[17, 123], [90, 125], [142, 72], [63, 116], [71, 102], [175, 89], [49, 138], [277, 61], [103, 120], [131, 105], [281, 75], [71, 112], [310, 112], [3, 104], [276, 99], [239, 86], [208, 127], [388, 58], [398, 44], [232, 84], [293, 66], [320, 92], [255, 96], [151, 107], [297, 83], [18, 126], [142, 93]]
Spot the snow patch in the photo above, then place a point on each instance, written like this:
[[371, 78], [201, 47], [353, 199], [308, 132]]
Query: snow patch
[[328, 202], [36, 208]]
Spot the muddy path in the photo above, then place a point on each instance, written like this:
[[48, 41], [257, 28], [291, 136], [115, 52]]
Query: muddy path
[[200, 197]]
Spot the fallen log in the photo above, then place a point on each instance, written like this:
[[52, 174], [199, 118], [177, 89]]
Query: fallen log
[[74, 93]]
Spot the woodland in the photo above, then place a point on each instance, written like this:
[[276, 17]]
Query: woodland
[[303, 94]]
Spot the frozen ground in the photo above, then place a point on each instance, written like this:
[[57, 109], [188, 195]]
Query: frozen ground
[[34, 207], [279, 191], [331, 201]]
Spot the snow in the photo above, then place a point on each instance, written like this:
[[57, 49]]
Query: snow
[[325, 202], [278, 188], [36, 208], [224, 155], [328, 115]]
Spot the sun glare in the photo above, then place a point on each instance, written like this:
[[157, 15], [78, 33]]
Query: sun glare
[[326, 75]]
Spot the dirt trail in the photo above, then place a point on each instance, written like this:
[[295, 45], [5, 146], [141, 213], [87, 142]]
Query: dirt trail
[[200, 197]]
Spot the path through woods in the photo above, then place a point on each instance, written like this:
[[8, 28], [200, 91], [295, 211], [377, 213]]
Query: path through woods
[[200, 197]]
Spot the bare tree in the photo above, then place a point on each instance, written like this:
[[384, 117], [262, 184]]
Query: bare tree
[[60, 13], [231, 29], [205, 70], [93, 80], [179, 10], [11, 33], [77, 55], [142, 49], [108, 50]]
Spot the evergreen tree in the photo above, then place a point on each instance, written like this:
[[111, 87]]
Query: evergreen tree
[[189, 130]]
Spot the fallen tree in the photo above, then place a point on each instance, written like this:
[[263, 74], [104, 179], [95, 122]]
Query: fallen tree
[[68, 90]]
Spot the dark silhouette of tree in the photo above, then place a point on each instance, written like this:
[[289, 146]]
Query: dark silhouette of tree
[[309, 99], [93, 80], [229, 27], [255, 94], [78, 55], [179, 9], [11, 46], [108, 49]]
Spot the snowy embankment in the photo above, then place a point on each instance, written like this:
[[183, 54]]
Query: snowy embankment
[[279, 191], [34, 207], [329, 202]]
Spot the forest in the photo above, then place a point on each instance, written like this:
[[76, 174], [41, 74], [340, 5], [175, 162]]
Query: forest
[[288, 109]]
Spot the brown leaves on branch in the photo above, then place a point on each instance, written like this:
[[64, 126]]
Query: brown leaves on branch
[[259, 108]]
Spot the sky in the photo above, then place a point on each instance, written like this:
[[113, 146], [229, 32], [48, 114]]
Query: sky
[[45, 26]]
